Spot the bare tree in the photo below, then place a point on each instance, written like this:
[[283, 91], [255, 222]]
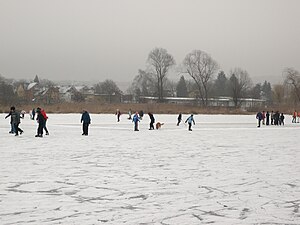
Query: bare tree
[[240, 83], [160, 62], [292, 78], [201, 67], [278, 93]]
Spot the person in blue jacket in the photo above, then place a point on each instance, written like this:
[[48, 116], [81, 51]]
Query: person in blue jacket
[[190, 120], [136, 120], [86, 121], [259, 117]]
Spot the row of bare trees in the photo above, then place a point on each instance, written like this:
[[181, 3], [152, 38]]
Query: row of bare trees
[[198, 65], [202, 69]]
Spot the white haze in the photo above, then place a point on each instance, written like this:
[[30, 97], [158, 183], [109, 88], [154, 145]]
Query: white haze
[[111, 39]]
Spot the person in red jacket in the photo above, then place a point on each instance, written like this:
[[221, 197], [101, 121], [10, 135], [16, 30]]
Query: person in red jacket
[[46, 118], [294, 117]]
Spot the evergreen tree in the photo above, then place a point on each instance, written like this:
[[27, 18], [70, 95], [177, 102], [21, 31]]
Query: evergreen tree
[[256, 91], [221, 85], [267, 91], [181, 88]]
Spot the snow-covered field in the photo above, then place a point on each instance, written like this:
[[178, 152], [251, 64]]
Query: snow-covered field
[[226, 171]]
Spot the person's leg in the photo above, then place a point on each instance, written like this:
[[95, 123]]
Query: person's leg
[[40, 129], [87, 129], [16, 126], [12, 128], [83, 129], [45, 128]]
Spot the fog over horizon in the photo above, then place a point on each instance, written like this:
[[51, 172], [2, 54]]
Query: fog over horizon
[[94, 40]]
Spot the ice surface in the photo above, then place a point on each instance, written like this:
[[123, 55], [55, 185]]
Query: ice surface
[[226, 171]]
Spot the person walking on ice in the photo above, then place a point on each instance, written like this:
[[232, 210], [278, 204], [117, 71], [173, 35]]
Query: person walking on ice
[[259, 117], [41, 120], [152, 121], [118, 114], [190, 120], [179, 119], [136, 120], [46, 118], [15, 118], [12, 127], [86, 121]]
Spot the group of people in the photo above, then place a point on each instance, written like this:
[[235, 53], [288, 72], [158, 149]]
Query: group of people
[[267, 118], [264, 118], [16, 116], [138, 116]]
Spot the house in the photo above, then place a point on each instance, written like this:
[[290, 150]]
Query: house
[[214, 102], [49, 95]]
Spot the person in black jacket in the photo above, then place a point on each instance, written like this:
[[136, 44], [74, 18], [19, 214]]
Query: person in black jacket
[[179, 119], [15, 118], [12, 127], [86, 120], [41, 120], [152, 121]]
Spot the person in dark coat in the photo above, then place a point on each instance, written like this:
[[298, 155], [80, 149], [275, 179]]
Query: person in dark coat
[[259, 117], [282, 119], [12, 127], [46, 118], [179, 119], [118, 114], [276, 118], [86, 121], [15, 116], [267, 118], [136, 120], [33, 113], [152, 121], [272, 118], [41, 121]]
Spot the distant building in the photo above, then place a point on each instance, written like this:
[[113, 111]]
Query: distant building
[[214, 102]]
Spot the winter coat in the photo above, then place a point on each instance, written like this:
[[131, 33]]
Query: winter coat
[[259, 116], [135, 118], [15, 117], [190, 119], [151, 117], [44, 114], [179, 118], [85, 118], [40, 117]]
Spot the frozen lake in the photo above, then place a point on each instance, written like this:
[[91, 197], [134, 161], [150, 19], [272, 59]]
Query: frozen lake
[[226, 171]]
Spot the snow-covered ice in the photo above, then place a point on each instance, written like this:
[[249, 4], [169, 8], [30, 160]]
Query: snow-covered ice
[[226, 171]]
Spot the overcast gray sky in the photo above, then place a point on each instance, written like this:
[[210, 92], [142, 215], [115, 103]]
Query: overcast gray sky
[[100, 39]]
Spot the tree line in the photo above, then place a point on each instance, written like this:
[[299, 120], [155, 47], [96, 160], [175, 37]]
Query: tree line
[[199, 77], [206, 80]]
